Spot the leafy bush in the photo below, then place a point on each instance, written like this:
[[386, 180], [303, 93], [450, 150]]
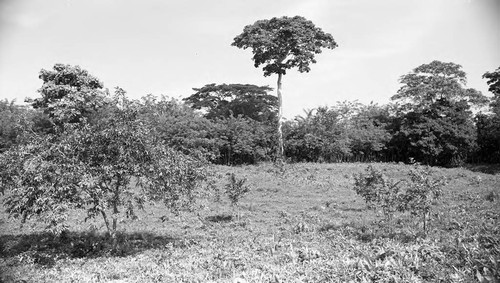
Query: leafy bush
[[378, 191], [109, 169], [236, 189], [241, 140], [415, 195], [180, 127], [348, 131], [422, 192]]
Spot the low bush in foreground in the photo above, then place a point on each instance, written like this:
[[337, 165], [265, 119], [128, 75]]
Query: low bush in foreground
[[417, 194]]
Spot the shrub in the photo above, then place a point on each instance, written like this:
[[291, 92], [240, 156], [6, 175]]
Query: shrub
[[416, 195], [109, 169], [236, 189], [422, 192], [378, 191]]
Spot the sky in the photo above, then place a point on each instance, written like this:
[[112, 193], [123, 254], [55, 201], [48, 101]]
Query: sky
[[169, 47]]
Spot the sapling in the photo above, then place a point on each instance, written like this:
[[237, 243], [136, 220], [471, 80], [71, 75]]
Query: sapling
[[423, 190], [378, 191], [416, 195], [236, 189]]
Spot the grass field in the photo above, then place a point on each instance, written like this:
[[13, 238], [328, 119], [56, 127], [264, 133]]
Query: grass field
[[303, 225]]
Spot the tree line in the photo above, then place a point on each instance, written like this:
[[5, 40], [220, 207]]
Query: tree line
[[433, 119]]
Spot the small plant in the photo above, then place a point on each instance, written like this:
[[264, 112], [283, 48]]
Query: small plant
[[236, 189], [476, 180], [378, 191], [492, 196], [417, 196], [422, 192]]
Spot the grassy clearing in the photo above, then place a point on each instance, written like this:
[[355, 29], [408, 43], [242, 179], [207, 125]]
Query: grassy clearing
[[305, 225]]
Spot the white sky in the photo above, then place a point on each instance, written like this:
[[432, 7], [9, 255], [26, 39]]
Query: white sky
[[169, 47]]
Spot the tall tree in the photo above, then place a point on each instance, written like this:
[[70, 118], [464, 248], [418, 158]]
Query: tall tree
[[224, 100], [435, 111], [435, 81], [281, 44]]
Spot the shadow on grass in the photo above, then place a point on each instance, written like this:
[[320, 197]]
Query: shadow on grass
[[492, 169], [44, 248], [345, 208], [220, 218], [369, 232]]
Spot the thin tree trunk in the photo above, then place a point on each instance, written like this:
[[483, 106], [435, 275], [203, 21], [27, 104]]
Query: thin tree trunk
[[106, 221], [116, 201], [280, 120]]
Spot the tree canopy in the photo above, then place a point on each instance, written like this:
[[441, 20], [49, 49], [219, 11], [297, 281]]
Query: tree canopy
[[284, 43], [494, 87], [428, 83], [434, 105], [224, 100], [68, 94]]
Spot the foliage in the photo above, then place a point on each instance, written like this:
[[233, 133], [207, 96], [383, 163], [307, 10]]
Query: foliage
[[444, 135], [316, 137], [284, 43], [433, 82], [225, 140], [242, 140], [179, 127], [488, 138], [434, 108], [303, 146], [69, 94], [348, 131], [415, 195], [18, 120], [494, 87], [245, 100], [236, 189], [10, 119], [488, 126], [378, 191], [109, 168], [367, 131], [422, 193]]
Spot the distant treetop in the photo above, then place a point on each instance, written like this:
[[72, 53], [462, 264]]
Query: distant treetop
[[284, 43]]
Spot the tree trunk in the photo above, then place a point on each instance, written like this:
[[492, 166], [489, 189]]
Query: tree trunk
[[280, 120], [116, 200], [103, 213]]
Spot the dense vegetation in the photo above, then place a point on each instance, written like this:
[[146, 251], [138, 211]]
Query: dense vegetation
[[434, 119]]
